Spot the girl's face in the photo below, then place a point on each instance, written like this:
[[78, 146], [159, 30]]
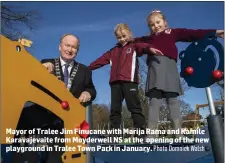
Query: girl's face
[[156, 23], [123, 36]]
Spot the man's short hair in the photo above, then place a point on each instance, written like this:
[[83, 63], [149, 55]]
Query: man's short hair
[[69, 34]]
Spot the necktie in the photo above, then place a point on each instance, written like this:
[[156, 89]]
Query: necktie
[[66, 74]]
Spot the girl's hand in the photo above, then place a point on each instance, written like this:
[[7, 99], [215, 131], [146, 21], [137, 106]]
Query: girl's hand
[[155, 51], [220, 33]]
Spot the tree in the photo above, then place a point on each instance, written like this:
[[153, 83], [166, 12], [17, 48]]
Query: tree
[[14, 21], [100, 114], [192, 124], [184, 107]]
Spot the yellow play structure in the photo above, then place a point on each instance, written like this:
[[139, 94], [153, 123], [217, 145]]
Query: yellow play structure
[[20, 71]]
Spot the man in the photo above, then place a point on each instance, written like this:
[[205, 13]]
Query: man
[[84, 88], [78, 79], [76, 76]]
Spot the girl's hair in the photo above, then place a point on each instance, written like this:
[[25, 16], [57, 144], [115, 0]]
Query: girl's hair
[[122, 26], [159, 14]]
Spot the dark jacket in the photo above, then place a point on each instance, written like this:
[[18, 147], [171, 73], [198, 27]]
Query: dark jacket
[[123, 61], [82, 81]]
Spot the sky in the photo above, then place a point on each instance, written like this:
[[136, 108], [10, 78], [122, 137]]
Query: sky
[[94, 22]]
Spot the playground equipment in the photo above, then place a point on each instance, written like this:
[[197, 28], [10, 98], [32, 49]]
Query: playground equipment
[[32, 87], [25, 79], [216, 103], [201, 67]]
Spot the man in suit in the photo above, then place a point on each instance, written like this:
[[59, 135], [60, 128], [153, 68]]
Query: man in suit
[[82, 86], [78, 80]]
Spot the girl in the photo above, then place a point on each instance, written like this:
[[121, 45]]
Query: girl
[[124, 75], [163, 79]]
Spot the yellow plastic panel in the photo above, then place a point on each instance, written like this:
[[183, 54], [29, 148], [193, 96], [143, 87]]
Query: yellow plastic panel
[[18, 69]]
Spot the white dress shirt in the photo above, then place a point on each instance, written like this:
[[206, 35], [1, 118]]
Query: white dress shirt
[[63, 63]]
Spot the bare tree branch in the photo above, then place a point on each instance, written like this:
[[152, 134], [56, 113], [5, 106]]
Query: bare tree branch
[[15, 22]]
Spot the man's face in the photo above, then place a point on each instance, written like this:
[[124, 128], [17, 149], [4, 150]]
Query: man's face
[[69, 47]]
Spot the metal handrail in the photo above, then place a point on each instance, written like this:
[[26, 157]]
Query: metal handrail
[[89, 158]]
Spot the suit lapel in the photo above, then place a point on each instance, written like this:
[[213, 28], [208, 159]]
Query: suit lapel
[[74, 65], [61, 70], [75, 77]]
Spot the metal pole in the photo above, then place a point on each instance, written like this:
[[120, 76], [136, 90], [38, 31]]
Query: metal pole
[[89, 158], [210, 100], [216, 130]]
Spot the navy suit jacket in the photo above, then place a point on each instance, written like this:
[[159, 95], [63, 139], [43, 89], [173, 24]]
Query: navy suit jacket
[[82, 80]]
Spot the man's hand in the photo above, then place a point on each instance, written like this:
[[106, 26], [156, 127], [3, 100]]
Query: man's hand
[[220, 33], [155, 51], [49, 66], [85, 97]]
